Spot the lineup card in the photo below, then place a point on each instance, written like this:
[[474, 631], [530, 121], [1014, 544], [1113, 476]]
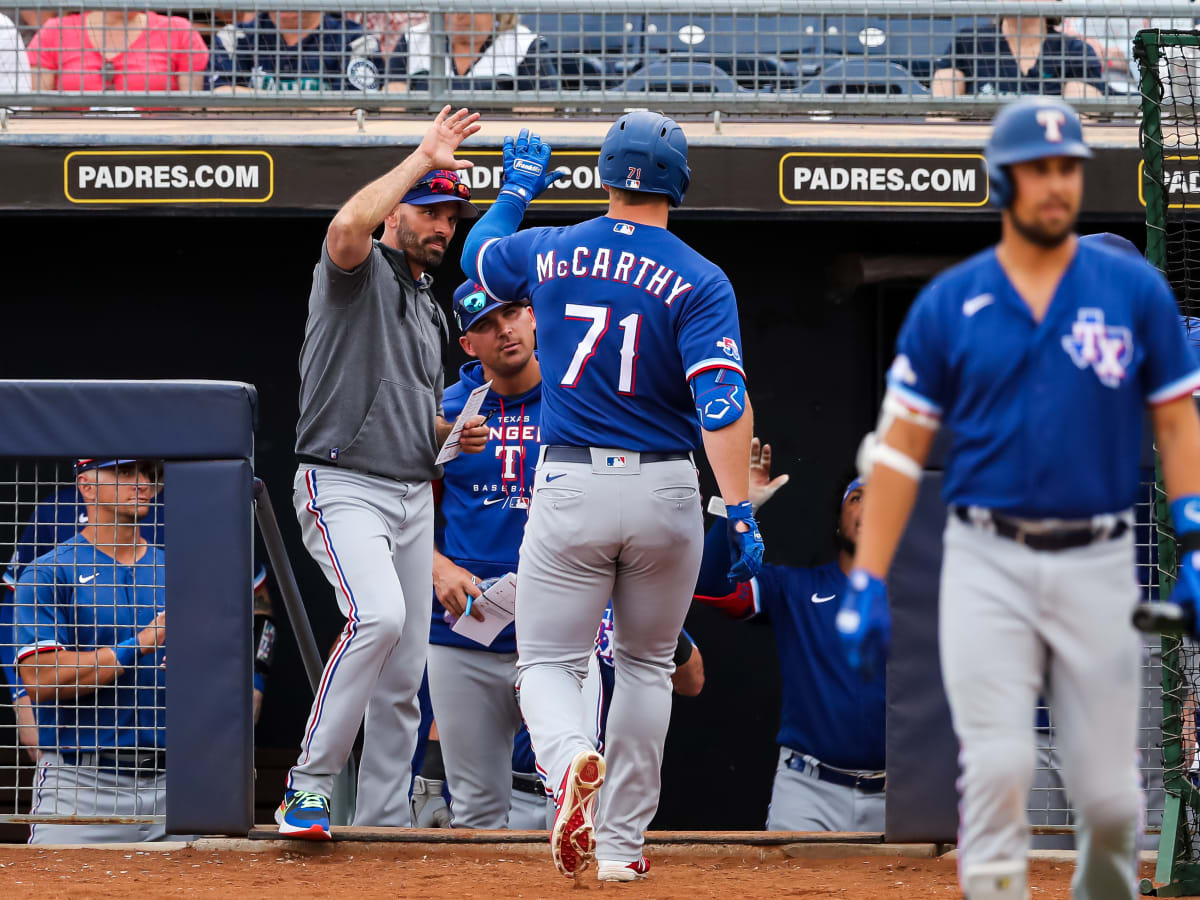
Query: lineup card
[[499, 606], [470, 409]]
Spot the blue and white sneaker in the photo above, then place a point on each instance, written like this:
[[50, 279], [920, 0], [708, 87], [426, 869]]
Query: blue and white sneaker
[[303, 814]]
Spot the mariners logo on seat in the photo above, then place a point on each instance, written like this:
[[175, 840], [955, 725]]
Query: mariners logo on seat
[[1107, 349]]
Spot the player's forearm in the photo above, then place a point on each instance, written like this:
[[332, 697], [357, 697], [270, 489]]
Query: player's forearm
[[366, 210], [1177, 436], [442, 428], [66, 673], [500, 221], [888, 503], [728, 451]]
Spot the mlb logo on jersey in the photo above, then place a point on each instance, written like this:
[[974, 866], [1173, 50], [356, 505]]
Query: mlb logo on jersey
[[1107, 349], [729, 345], [615, 462], [518, 502], [623, 228]]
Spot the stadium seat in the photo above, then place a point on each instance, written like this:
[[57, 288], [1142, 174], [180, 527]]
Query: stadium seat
[[863, 76], [590, 51], [680, 76]]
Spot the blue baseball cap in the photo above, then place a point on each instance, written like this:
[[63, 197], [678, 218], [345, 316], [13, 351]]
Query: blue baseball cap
[[86, 465], [472, 303], [1111, 241], [442, 186], [853, 486]]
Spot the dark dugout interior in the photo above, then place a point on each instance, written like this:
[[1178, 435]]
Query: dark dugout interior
[[821, 299]]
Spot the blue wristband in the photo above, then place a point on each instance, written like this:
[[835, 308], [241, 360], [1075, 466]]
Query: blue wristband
[[1185, 511], [127, 653]]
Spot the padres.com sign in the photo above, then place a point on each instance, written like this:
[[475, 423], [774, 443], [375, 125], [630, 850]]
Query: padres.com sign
[[883, 179], [169, 176]]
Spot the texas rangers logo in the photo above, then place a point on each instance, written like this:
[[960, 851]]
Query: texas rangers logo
[[730, 347], [1107, 349]]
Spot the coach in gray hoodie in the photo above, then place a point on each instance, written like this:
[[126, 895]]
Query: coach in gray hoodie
[[369, 430]]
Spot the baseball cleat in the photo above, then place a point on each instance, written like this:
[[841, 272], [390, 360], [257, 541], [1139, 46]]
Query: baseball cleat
[[611, 870], [304, 814], [572, 840]]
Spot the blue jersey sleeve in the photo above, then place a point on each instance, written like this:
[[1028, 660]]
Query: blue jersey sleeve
[[505, 265], [707, 330], [918, 376], [1170, 370], [39, 623]]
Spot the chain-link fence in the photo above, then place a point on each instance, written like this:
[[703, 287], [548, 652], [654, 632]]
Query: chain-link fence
[[82, 624], [565, 57]]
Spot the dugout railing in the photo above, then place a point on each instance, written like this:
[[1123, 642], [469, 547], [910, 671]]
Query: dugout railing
[[566, 58], [202, 433]]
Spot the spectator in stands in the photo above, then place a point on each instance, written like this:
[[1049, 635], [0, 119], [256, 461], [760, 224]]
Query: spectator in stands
[[118, 50], [486, 51], [14, 61], [296, 51], [387, 27], [1018, 55], [830, 775], [1111, 37], [91, 628]]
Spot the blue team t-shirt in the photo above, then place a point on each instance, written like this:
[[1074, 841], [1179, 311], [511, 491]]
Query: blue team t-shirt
[[627, 313], [1046, 417], [78, 598]]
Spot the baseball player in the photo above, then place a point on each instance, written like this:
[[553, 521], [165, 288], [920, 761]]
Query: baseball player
[[640, 357], [370, 391], [1041, 355], [91, 628], [830, 775]]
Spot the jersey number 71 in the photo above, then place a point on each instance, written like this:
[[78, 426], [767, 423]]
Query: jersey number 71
[[598, 316]]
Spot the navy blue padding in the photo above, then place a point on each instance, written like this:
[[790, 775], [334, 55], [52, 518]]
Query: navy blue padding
[[210, 630], [680, 76], [151, 419], [922, 752], [862, 75]]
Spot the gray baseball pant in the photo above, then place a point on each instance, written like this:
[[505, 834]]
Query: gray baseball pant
[[802, 802], [1011, 616], [530, 812], [634, 534], [82, 789], [475, 707], [373, 538]]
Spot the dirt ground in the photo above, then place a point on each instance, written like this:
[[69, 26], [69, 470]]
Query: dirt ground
[[464, 871]]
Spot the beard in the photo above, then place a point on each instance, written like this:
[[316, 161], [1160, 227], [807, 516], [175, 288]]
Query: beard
[[844, 544], [427, 252], [1040, 236]]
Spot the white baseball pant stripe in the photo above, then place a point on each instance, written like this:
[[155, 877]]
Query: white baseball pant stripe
[[593, 535], [373, 538], [1010, 619]]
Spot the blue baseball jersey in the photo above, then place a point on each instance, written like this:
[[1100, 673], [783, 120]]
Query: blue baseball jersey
[[80, 599], [339, 55], [1046, 417], [485, 496], [829, 711], [627, 314], [8, 644]]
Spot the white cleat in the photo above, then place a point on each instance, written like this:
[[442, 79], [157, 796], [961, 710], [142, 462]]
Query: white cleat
[[609, 870]]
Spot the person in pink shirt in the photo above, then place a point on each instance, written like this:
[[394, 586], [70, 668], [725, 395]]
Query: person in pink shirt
[[118, 50]]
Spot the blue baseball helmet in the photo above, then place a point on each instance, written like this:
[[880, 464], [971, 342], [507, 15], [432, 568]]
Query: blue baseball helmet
[[1111, 241], [1029, 129], [645, 151]]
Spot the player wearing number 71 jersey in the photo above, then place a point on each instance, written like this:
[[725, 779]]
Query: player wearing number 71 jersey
[[639, 348]]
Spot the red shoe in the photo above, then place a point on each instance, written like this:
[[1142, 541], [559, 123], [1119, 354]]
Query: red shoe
[[573, 840], [608, 870]]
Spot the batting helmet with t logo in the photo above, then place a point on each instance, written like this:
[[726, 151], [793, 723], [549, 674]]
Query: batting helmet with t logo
[[1029, 129], [645, 151]]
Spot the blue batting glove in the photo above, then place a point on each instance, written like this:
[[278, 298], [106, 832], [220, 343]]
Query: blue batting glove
[[525, 162], [864, 624], [1186, 514], [746, 547]]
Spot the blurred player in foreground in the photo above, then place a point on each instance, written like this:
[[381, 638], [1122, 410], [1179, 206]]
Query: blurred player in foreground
[[1040, 355], [641, 362], [831, 734]]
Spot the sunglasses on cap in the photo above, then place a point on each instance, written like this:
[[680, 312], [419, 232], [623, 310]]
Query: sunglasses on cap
[[440, 184]]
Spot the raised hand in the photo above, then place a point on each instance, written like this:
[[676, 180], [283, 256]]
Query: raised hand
[[445, 135], [526, 159], [762, 487]]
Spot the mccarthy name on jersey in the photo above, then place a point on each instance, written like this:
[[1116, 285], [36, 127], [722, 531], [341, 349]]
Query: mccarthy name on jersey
[[626, 268]]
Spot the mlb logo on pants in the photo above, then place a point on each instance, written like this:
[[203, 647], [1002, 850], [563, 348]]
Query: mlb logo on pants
[[615, 462]]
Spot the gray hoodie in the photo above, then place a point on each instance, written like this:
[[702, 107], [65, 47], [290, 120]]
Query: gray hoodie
[[371, 368]]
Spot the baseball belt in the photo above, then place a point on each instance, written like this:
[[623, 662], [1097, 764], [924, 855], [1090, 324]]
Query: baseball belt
[[307, 460], [1027, 532], [143, 763], [528, 784], [867, 782], [561, 453]]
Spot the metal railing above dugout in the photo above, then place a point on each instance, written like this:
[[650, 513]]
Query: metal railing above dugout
[[563, 58]]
